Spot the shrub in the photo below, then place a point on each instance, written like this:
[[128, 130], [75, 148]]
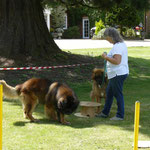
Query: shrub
[[129, 33], [72, 33], [100, 34], [99, 26]]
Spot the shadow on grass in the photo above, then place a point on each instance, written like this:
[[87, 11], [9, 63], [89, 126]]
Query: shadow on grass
[[74, 122], [136, 88], [40, 121]]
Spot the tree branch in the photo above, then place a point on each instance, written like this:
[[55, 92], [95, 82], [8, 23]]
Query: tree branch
[[79, 2]]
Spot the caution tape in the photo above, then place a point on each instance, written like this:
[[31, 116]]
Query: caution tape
[[47, 67]]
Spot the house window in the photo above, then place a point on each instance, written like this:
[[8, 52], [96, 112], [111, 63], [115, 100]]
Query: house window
[[65, 26], [85, 28]]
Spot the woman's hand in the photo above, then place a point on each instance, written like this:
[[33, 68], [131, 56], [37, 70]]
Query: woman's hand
[[116, 59], [104, 55]]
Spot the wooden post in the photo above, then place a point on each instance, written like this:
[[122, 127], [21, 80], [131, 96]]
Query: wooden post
[[1, 113], [136, 124]]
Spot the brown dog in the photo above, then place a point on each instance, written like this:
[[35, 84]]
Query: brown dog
[[99, 85], [58, 99]]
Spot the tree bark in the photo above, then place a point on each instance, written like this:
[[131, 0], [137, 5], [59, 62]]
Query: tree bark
[[23, 30]]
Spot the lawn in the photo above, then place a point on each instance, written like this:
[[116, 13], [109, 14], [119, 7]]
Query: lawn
[[85, 134]]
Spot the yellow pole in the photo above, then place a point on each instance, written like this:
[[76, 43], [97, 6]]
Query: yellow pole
[[1, 103], [136, 124]]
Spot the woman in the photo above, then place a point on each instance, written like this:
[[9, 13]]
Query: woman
[[117, 71]]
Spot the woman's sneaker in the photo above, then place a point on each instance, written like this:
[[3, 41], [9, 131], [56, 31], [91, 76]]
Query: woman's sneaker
[[116, 118], [101, 115]]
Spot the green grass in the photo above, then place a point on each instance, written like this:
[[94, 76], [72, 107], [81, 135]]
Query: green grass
[[85, 134]]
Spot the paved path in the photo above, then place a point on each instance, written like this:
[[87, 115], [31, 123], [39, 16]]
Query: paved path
[[88, 43]]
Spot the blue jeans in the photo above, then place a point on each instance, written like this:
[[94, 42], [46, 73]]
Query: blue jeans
[[114, 89]]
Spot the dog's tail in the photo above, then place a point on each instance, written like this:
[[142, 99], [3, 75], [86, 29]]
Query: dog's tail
[[9, 91]]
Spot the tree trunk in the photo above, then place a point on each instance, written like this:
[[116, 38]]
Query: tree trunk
[[23, 30]]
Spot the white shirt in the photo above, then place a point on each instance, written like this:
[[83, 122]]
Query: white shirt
[[121, 69]]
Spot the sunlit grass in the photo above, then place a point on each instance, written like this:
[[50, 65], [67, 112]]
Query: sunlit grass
[[85, 134], [137, 52]]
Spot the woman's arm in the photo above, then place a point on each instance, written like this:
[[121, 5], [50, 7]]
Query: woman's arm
[[116, 59]]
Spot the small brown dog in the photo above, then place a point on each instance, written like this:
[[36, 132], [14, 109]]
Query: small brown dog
[[58, 99], [99, 85]]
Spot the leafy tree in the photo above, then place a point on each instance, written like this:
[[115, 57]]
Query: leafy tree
[[125, 13], [76, 14], [123, 16], [103, 4], [23, 31], [58, 16]]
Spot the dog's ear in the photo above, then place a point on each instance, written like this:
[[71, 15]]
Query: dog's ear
[[94, 70], [93, 74]]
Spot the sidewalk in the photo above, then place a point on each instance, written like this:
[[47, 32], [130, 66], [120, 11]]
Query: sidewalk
[[88, 43]]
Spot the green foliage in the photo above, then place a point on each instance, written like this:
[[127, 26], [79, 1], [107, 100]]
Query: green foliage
[[72, 33], [124, 16], [140, 4], [100, 34], [58, 16], [124, 13], [101, 4], [51, 3], [130, 33], [99, 26], [108, 4], [94, 15], [75, 15]]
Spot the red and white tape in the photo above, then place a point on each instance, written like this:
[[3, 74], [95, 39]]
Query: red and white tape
[[48, 67]]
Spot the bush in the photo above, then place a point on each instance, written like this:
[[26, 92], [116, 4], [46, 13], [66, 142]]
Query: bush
[[129, 33], [100, 34], [72, 33], [99, 26]]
